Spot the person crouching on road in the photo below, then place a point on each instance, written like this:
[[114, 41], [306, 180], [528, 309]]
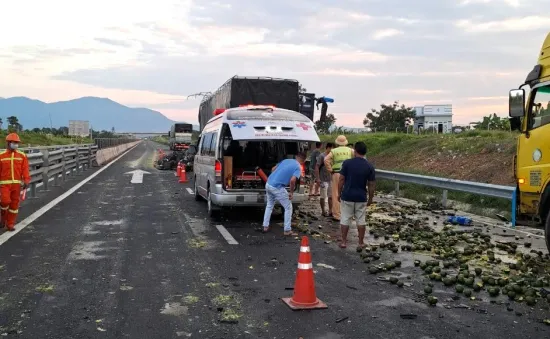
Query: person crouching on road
[[355, 175], [333, 163], [14, 176], [284, 174], [323, 179]]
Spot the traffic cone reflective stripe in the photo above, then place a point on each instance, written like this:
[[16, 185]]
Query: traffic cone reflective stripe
[[183, 176], [304, 288]]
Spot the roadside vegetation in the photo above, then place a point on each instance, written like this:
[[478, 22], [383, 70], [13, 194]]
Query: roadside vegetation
[[161, 140], [478, 155], [33, 139]]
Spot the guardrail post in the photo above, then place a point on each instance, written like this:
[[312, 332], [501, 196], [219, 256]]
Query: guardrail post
[[33, 190], [397, 189], [45, 168], [444, 198], [77, 162], [89, 156], [64, 167]]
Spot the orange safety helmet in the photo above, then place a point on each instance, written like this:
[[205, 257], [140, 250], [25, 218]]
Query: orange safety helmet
[[13, 137]]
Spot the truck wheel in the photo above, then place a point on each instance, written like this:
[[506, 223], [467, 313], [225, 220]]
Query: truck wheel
[[196, 190], [213, 211], [547, 232]]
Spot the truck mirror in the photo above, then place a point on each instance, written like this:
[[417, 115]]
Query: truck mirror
[[516, 103]]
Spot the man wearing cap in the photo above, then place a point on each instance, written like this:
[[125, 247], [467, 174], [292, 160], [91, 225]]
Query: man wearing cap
[[333, 163], [14, 176]]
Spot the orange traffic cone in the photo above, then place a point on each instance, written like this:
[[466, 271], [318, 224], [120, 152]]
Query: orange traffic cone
[[178, 170], [304, 288], [183, 176]]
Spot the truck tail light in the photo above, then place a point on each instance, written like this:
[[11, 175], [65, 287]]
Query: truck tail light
[[219, 111], [218, 170], [521, 181]]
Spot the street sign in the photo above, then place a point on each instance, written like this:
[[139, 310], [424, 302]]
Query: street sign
[[79, 128]]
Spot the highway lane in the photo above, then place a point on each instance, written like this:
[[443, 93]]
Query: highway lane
[[114, 260], [122, 260]]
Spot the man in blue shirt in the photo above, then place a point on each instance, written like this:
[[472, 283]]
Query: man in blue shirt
[[284, 174], [355, 175]]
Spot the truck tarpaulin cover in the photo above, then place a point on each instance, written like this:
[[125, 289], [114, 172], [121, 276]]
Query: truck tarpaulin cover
[[282, 93]]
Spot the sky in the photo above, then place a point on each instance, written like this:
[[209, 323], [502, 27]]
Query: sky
[[362, 53]]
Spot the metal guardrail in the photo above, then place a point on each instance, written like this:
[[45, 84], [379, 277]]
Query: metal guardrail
[[51, 163], [489, 190]]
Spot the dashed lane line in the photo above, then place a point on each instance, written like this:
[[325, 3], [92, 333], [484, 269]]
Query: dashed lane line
[[190, 191], [31, 218], [226, 235]]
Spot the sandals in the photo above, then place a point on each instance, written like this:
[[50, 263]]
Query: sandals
[[290, 234], [266, 229]]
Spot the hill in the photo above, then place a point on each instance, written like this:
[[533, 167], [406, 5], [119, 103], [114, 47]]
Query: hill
[[102, 113], [482, 156]]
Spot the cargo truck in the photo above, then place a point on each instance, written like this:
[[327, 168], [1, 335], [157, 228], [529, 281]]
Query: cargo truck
[[531, 116], [180, 136], [243, 91]]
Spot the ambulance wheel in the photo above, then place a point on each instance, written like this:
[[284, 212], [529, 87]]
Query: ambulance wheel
[[213, 210], [547, 232], [196, 190]]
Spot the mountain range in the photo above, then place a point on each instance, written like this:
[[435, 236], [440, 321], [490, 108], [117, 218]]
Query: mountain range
[[102, 113]]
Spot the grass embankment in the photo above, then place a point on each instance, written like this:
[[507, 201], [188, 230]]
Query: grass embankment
[[481, 156], [31, 139], [161, 140]]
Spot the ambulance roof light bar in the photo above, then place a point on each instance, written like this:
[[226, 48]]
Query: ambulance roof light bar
[[219, 111]]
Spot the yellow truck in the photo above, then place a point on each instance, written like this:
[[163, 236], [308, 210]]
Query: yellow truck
[[530, 114]]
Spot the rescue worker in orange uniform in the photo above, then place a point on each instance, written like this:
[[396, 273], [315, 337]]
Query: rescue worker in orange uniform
[[14, 176]]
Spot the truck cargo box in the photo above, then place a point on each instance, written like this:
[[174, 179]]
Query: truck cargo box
[[237, 91]]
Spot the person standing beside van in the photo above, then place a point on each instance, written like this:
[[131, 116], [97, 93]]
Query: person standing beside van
[[355, 175], [286, 173], [333, 163], [322, 177], [314, 187]]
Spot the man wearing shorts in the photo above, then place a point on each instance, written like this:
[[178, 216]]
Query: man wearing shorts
[[355, 175], [323, 179]]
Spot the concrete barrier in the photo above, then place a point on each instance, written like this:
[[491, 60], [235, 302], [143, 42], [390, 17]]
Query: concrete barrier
[[105, 155]]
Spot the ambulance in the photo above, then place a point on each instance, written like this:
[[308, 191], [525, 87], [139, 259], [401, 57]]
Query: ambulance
[[237, 145]]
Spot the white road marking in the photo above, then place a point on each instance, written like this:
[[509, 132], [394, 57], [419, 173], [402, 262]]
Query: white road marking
[[31, 218], [137, 176], [226, 235], [190, 191]]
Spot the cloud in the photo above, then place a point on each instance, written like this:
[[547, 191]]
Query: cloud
[[113, 42], [511, 3], [362, 53], [523, 24], [386, 33], [423, 91]]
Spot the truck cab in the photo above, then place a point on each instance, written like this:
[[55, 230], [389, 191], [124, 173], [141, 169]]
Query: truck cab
[[530, 114]]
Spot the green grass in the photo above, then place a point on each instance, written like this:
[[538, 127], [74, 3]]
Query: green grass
[[405, 146], [31, 139], [470, 142], [161, 140]]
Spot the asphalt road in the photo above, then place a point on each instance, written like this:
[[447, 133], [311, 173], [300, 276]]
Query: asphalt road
[[123, 260]]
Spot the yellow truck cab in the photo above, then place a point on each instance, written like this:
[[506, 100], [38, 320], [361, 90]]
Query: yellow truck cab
[[531, 115]]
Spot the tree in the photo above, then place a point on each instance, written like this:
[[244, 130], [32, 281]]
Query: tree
[[14, 125], [323, 126], [493, 122], [390, 117], [1, 123]]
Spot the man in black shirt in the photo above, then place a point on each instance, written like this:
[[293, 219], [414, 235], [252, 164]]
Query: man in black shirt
[[356, 174]]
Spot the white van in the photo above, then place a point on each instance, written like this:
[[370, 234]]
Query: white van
[[237, 142]]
